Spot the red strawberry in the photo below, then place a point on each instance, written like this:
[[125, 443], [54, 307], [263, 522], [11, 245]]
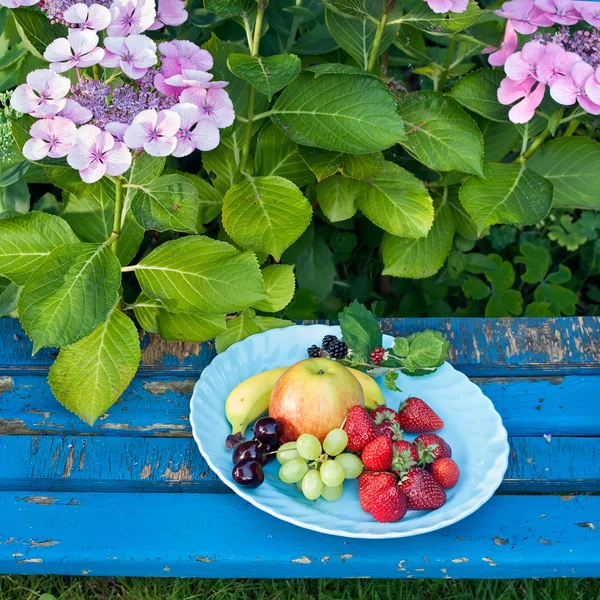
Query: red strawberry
[[390, 505], [360, 429], [416, 416], [431, 447], [370, 486], [387, 422], [423, 491], [405, 457], [446, 471], [378, 454]]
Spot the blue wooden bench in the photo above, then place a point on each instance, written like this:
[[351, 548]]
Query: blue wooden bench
[[133, 496]]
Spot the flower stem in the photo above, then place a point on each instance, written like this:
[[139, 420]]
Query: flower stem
[[374, 54], [571, 128], [116, 232], [96, 72], [293, 30], [449, 53], [539, 140]]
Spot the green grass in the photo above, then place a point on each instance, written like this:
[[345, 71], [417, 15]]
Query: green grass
[[110, 588]]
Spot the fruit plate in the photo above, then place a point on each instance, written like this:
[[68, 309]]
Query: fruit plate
[[472, 427]]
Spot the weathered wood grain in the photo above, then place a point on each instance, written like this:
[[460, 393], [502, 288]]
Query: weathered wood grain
[[160, 406], [480, 346], [220, 535], [136, 464]]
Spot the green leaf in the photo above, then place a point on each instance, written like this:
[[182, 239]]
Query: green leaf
[[316, 41], [9, 297], [321, 162], [561, 299], [401, 347], [475, 288], [168, 203], [425, 349], [441, 134], [15, 197], [536, 260], [423, 18], [356, 35], [342, 113], [268, 75], [503, 301], [539, 309], [478, 91], [36, 30], [88, 376], [222, 163], [266, 323], [277, 155], [360, 329], [498, 140], [337, 69], [315, 269], [390, 379], [480, 263], [197, 274], [69, 294], [13, 173], [26, 241], [362, 166], [337, 197], [396, 201], [561, 275], [266, 214], [507, 193], [225, 8], [567, 234], [144, 169], [280, 285], [423, 257], [465, 226], [572, 165], [210, 202]]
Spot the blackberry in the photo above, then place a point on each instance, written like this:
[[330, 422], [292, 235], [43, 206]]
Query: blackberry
[[338, 350], [314, 351], [328, 341]]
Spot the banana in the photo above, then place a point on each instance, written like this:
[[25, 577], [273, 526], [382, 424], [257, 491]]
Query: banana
[[250, 399], [373, 395]]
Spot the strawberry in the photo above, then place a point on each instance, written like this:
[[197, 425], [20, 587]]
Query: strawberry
[[390, 505], [405, 457], [416, 416], [370, 486], [446, 471], [360, 429], [377, 455], [423, 491], [387, 422], [431, 447]]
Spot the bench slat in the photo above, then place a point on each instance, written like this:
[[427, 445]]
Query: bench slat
[[134, 464], [481, 346], [160, 406], [223, 536]]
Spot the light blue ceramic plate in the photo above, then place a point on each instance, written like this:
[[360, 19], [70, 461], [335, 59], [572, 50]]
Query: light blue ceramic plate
[[473, 429]]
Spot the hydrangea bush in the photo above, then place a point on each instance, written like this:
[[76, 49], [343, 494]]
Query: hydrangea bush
[[216, 169]]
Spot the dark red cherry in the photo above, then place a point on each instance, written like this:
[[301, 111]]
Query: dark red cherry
[[267, 430], [248, 473], [250, 449]]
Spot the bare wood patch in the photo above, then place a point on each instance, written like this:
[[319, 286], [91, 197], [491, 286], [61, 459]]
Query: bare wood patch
[[203, 559], [184, 473], [40, 500], [29, 560], [44, 544], [6, 384], [158, 388], [157, 349]]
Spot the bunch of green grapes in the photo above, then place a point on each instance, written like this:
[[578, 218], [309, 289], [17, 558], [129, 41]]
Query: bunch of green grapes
[[319, 471]]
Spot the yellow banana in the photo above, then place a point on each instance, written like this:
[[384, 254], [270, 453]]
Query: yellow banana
[[250, 399], [373, 395]]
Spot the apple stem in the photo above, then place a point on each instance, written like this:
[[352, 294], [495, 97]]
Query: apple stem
[[343, 422]]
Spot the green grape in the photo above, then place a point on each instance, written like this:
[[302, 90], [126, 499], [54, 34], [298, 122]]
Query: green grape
[[332, 494], [332, 473], [287, 452], [293, 470], [351, 464], [335, 442], [312, 485], [308, 446]]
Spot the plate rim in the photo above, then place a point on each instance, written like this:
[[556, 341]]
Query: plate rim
[[499, 466]]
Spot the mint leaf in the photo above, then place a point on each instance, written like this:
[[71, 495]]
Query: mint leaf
[[425, 349], [401, 346], [390, 381], [360, 329]]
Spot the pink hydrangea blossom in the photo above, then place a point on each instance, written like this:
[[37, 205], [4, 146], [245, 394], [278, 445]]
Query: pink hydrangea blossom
[[589, 11], [169, 12], [529, 91], [497, 57], [95, 17], [215, 104], [117, 130], [135, 54], [178, 55], [43, 95], [555, 62], [95, 154], [523, 64], [194, 131], [592, 87], [193, 78], [130, 17], [559, 11], [444, 6], [155, 132], [524, 15], [79, 50], [17, 3], [75, 112], [50, 137], [569, 89]]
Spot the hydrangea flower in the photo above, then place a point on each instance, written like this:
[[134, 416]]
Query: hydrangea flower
[[554, 63], [194, 131], [529, 91], [75, 112], [524, 64], [524, 15], [170, 12], [559, 11], [592, 87], [17, 3], [135, 54], [497, 57], [95, 154], [571, 89], [155, 132], [589, 11], [43, 95], [95, 17], [444, 6], [130, 17], [79, 50], [50, 137], [215, 104]]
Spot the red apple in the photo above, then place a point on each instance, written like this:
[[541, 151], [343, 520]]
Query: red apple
[[314, 396]]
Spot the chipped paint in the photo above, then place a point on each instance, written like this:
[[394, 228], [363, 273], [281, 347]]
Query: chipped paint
[[29, 560], [401, 566], [13, 426], [460, 560], [500, 541], [167, 569], [544, 541], [345, 557], [203, 559], [587, 524], [489, 561], [325, 559], [146, 472], [69, 463], [157, 349], [302, 560], [86, 571], [567, 498], [6, 384], [40, 500], [158, 388], [184, 473], [44, 544]]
